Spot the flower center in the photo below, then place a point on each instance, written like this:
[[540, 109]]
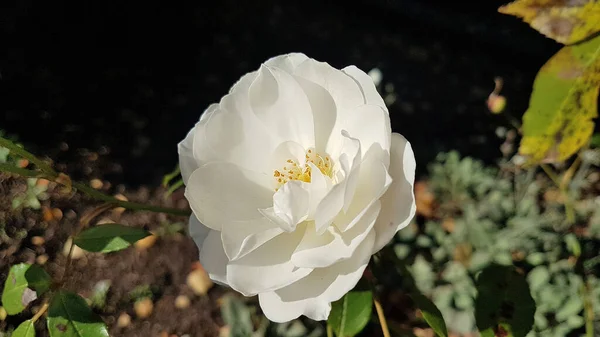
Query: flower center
[[294, 171]]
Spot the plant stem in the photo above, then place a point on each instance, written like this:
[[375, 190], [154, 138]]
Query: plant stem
[[382, 320], [128, 204], [50, 174], [5, 167], [569, 209], [588, 311], [42, 165], [40, 312], [329, 331]]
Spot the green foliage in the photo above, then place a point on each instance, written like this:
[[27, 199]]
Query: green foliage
[[503, 302], [32, 195], [108, 238], [350, 314], [70, 316], [99, 293], [140, 292], [559, 121], [431, 314], [24, 329], [490, 216], [24, 284], [237, 316]]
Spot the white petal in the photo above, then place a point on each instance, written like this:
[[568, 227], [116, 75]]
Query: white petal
[[366, 84], [324, 113], [318, 251], [312, 295], [213, 258], [318, 188], [242, 237], [268, 267], [197, 231], [290, 204], [398, 206], [276, 309], [287, 62], [187, 162], [235, 137], [370, 124], [223, 192], [343, 191], [280, 103], [373, 182], [343, 88]]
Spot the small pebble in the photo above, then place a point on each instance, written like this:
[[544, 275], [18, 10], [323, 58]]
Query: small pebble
[[96, 184], [38, 240], [199, 281], [57, 214], [182, 302], [41, 259], [143, 308], [146, 242], [77, 252], [124, 320]]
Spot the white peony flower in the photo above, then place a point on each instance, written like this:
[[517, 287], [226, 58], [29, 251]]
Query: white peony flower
[[295, 179]]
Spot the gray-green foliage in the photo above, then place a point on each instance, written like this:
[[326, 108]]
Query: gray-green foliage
[[32, 195], [243, 321], [496, 217]]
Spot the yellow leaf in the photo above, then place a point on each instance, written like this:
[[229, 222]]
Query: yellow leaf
[[559, 120], [566, 21]]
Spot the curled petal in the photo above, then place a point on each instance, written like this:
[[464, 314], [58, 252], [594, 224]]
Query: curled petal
[[312, 295], [398, 206], [268, 267]]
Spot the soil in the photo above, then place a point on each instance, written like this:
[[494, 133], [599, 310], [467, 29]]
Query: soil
[[163, 267]]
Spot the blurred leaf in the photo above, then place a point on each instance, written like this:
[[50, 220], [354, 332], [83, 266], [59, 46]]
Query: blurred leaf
[[237, 316], [595, 141], [350, 314], [109, 237], [177, 184], [99, 293], [70, 316], [572, 307], [24, 329], [431, 314], [538, 277], [24, 284], [564, 21], [573, 244], [503, 302], [558, 121], [170, 176]]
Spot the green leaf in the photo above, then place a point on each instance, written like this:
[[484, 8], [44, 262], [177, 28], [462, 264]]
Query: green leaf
[[237, 315], [559, 120], [24, 284], [11, 168], [564, 21], [503, 302], [70, 316], [109, 238], [431, 314], [24, 329], [350, 314]]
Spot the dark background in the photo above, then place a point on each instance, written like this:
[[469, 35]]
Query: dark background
[[135, 77]]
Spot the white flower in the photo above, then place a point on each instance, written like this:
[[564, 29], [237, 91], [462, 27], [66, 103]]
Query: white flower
[[295, 179]]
